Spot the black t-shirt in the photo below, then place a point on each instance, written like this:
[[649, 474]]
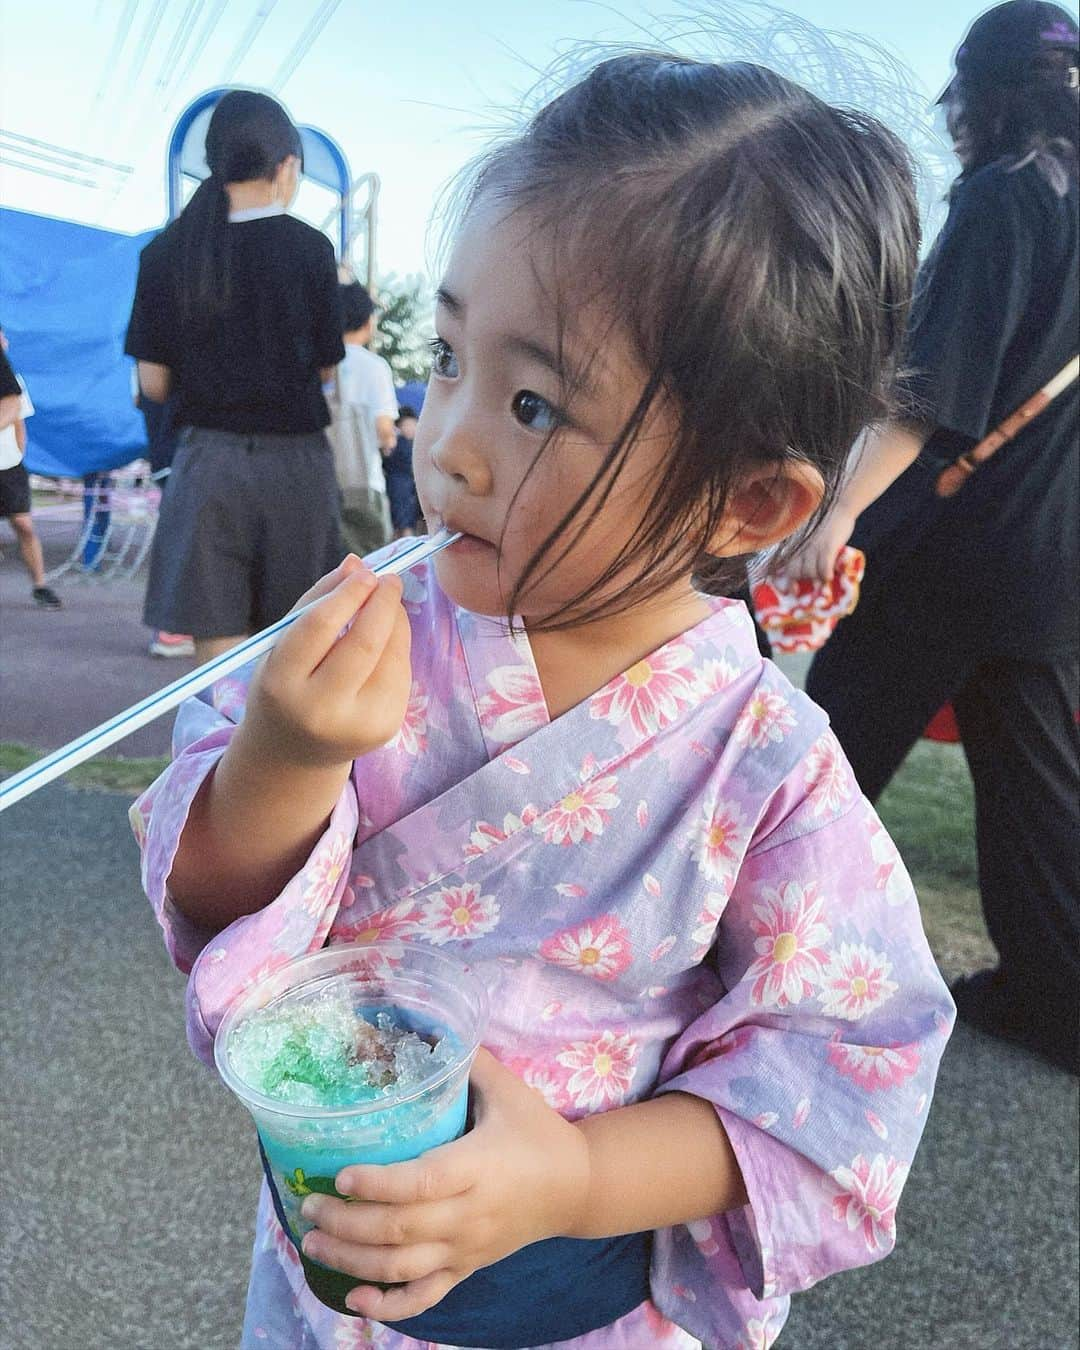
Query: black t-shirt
[[256, 369], [995, 317], [8, 383]]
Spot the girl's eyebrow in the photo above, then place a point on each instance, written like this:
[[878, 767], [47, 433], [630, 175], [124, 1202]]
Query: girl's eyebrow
[[527, 347]]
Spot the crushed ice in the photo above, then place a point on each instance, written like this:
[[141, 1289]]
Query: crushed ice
[[320, 1050]]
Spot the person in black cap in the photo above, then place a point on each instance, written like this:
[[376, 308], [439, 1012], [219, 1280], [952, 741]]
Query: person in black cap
[[977, 592]]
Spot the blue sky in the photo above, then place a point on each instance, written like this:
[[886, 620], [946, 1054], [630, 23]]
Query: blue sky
[[403, 87]]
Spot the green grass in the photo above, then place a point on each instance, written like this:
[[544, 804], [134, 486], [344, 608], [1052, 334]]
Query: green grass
[[129, 776], [929, 810]]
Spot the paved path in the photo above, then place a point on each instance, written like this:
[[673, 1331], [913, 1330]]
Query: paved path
[[64, 671], [130, 1196]]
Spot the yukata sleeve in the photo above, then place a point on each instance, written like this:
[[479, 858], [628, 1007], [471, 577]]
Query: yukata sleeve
[[820, 1059], [221, 965]]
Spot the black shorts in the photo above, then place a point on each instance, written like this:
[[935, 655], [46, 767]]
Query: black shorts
[[247, 524], [14, 491]]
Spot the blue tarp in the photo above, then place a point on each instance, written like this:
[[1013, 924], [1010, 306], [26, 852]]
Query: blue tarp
[[65, 297]]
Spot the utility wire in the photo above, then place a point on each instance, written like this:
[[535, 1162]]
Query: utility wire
[[48, 146], [247, 38], [320, 19]]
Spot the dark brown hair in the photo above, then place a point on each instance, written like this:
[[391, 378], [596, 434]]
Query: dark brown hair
[[1011, 119], [759, 248], [249, 137]]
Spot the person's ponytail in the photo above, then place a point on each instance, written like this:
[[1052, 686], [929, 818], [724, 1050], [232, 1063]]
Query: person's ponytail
[[249, 136], [206, 286]]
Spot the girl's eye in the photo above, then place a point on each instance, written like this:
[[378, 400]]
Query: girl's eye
[[443, 360], [533, 411]]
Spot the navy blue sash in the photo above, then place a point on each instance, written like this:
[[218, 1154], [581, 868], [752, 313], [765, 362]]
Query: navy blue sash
[[549, 1291]]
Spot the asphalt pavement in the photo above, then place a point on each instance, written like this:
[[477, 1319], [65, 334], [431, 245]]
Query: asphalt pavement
[[130, 1175]]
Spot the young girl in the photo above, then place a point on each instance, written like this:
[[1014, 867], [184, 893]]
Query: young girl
[[716, 1023]]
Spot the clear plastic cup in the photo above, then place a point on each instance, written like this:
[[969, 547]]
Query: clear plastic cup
[[304, 1147]]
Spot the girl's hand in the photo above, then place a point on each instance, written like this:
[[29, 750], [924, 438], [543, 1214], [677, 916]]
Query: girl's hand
[[520, 1175], [816, 559], [324, 698]]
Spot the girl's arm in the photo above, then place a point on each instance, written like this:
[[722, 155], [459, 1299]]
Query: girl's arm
[[20, 436], [322, 698], [678, 1154]]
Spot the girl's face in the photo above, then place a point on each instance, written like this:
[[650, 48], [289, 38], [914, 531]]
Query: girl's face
[[496, 394]]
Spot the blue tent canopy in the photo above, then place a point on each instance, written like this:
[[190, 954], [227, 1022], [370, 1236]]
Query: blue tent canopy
[[65, 297]]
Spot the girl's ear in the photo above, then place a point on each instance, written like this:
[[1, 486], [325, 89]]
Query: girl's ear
[[768, 504]]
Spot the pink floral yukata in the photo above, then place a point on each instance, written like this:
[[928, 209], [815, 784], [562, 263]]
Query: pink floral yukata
[[676, 885]]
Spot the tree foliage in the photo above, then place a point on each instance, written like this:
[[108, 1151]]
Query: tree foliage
[[405, 327]]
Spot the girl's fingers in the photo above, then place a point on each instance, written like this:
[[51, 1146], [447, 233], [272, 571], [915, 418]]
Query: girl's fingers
[[388, 1265], [348, 565], [439, 1174], [373, 1225], [392, 1305], [306, 642], [348, 664]]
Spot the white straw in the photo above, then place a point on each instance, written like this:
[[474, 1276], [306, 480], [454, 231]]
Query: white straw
[[43, 771]]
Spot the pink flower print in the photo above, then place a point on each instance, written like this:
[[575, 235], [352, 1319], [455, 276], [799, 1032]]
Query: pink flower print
[[550, 1085], [137, 820], [513, 706], [663, 947], [855, 982], [877, 1124], [385, 925], [600, 948], [827, 778], [581, 815], [759, 1335], [457, 913], [891, 875], [485, 836], [718, 839], [570, 889], [874, 1067], [704, 934], [791, 955], [701, 1230], [766, 717], [802, 1113], [867, 1196], [659, 1327], [411, 736], [602, 1070], [641, 814], [651, 694], [324, 870], [715, 676]]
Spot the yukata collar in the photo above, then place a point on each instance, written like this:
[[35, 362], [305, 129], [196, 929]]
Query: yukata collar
[[509, 698]]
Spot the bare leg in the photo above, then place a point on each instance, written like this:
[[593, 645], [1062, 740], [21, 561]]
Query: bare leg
[[207, 648], [29, 547]]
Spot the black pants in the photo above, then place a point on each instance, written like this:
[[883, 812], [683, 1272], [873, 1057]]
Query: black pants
[[1018, 723]]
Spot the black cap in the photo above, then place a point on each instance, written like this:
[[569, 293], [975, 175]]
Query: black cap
[[1004, 43]]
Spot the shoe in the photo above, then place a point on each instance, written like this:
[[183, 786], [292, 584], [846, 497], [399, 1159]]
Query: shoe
[[986, 1001], [172, 644], [46, 598]]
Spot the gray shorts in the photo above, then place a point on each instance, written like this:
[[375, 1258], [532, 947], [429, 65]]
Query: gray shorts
[[247, 524]]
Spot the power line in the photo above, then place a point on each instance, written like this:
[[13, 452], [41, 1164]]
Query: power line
[[212, 20], [123, 27], [321, 18], [5, 158], [251, 32], [52, 150], [180, 36]]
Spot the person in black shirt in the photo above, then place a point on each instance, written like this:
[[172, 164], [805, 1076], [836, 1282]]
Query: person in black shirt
[[973, 598], [236, 321]]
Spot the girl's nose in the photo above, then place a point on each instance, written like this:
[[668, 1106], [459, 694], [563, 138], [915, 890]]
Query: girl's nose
[[457, 454]]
